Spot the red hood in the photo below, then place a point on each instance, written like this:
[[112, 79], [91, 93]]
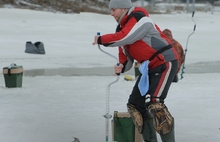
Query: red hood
[[141, 9], [136, 9]]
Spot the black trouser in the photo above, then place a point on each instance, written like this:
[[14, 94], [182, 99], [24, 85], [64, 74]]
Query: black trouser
[[160, 79]]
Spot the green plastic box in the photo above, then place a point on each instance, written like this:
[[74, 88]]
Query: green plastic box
[[13, 76], [123, 129]]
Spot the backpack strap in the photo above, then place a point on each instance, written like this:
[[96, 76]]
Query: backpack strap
[[160, 51]]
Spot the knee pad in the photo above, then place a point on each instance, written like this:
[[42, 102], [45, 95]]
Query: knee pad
[[136, 117], [162, 119]]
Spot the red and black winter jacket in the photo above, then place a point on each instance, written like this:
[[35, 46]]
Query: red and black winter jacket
[[139, 39]]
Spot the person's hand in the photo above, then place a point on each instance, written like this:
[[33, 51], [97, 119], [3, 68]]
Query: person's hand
[[96, 40], [118, 69]]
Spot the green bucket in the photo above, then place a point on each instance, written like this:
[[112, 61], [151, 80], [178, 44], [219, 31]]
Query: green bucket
[[13, 76]]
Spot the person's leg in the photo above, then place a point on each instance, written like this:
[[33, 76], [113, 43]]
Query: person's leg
[[140, 115], [160, 79], [169, 137], [161, 82], [149, 134]]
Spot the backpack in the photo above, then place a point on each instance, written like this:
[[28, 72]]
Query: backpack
[[179, 49]]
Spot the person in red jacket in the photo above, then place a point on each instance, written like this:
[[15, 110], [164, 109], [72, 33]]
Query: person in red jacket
[[139, 38]]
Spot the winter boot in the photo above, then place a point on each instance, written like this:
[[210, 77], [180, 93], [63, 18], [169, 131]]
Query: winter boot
[[149, 133], [169, 137]]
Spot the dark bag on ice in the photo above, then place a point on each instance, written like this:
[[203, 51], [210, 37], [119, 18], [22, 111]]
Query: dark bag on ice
[[36, 48]]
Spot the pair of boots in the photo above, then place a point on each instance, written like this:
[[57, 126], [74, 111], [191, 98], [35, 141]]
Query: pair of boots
[[149, 133]]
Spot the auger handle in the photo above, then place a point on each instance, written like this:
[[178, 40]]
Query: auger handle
[[118, 64]]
